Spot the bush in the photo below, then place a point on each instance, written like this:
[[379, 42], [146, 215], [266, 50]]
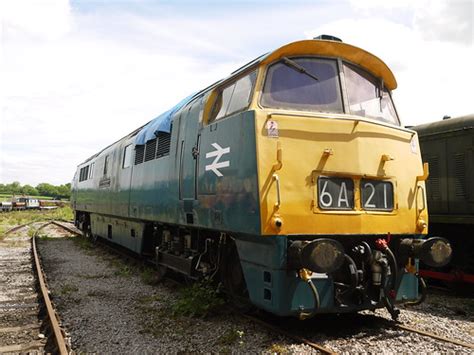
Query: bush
[[199, 300]]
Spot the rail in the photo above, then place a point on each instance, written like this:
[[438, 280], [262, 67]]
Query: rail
[[52, 316], [62, 346]]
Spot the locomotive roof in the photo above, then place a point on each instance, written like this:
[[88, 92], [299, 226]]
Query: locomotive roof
[[447, 125], [336, 49]]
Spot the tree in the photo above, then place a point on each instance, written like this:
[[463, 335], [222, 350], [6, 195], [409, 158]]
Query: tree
[[64, 191], [14, 187], [29, 190], [46, 189]]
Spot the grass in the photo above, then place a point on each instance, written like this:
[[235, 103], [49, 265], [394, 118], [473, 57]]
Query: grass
[[148, 275], [230, 337], [97, 293], [174, 318], [198, 300], [93, 277], [84, 243], [124, 271], [14, 218], [8, 197], [278, 349], [67, 289], [150, 299]]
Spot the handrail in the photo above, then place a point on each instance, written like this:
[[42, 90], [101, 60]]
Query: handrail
[[277, 180]]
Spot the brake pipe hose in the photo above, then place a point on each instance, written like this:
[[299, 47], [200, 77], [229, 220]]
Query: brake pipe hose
[[305, 275], [423, 290]]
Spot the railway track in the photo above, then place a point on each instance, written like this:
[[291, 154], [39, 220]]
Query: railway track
[[327, 350], [268, 324], [28, 320]]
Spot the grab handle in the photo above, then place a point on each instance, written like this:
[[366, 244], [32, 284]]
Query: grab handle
[[277, 180], [419, 187]]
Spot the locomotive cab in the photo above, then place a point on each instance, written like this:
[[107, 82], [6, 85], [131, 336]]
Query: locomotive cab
[[340, 184]]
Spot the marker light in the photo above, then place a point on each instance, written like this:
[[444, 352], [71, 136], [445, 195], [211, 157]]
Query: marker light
[[320, 255]]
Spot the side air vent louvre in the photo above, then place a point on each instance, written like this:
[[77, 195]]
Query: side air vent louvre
[[150, 150], [164, 143], [460, 175], [433, 180], [139, 153]]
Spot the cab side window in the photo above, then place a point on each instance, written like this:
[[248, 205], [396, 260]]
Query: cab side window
[[127, 157], [234, 97]]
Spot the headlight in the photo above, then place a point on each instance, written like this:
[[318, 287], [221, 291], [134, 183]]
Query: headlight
[[320, 255], [435, 251]]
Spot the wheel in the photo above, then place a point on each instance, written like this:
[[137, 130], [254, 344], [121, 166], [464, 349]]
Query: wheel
[[233, 279]]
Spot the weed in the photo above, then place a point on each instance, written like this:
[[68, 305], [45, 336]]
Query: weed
[[230, 337], [93, 277], [124, 271], [198, 300], [96, 293], [278, 349], [84, 243], [15, 218], [150, 299], [67, 289], [149, 276]]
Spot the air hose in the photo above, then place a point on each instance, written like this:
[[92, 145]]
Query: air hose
[[389, 288], [305, 276], [422, 292]]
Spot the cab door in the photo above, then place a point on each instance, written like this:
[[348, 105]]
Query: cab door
[[189, 148]]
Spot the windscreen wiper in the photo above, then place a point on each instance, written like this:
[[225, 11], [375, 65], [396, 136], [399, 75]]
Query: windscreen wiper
[[298, 68]]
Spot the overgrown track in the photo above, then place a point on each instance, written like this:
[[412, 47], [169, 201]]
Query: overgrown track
[[268, 321], [289, 335], [32, 323]]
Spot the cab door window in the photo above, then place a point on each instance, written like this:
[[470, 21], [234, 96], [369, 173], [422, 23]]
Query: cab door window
[[127, 157], [234, 97]]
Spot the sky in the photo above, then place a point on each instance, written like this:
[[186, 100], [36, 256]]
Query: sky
[[76, 76]]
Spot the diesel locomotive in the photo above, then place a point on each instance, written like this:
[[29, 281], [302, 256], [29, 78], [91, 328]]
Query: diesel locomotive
[[447, 146], [291, 181]]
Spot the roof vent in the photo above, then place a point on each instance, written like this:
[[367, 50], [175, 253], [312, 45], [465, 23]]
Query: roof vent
[[328, 38]]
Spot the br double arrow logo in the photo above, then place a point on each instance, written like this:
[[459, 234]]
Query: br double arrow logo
[[216, 164]]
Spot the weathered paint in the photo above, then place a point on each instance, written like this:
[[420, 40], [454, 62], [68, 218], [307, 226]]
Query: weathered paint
[[286, 294], [357, 148], [240, 197]]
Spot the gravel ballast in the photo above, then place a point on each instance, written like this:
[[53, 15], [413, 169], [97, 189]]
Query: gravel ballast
[[106, 307]]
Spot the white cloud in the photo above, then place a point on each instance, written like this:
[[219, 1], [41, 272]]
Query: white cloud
[[433, 74], [78, 80], [45, 19]]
